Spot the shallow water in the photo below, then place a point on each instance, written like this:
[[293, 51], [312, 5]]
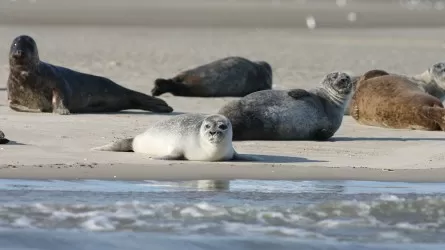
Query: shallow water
[[242, 214]]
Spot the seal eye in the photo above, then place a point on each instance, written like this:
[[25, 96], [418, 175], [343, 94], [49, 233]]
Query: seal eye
[[222, 127], [207, 126]]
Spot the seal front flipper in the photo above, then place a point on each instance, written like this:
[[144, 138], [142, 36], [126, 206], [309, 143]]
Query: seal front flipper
[[123, 145], [298, 93], [21, 108], [58, 103], [171, 157]]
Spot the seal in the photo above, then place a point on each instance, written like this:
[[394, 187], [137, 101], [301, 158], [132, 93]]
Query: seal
[[230, 77], [3, 140], [295, 114], [431, 81], [390, 101], [194, 137], [36, 86]]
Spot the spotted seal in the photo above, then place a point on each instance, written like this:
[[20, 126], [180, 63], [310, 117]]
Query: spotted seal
[[194, 137], [385, 100], [431, 81], [295, 114], [230, 76], [37, 86], [3, 139]]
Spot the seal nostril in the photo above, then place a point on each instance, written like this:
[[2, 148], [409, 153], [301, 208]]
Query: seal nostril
[[18, 53], [212, 133]]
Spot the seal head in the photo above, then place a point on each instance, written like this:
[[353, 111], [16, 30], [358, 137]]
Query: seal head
[[338, 86], [23, 53], [437, 72], [216, 129]]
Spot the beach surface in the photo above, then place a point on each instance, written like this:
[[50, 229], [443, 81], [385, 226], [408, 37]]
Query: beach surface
[[147, 46]]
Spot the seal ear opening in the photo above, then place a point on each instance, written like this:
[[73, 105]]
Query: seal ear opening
[[162, 86]]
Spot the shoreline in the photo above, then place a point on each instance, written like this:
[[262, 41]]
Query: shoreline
[[214, 171]]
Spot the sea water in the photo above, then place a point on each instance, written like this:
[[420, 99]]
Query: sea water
[[240, 214]]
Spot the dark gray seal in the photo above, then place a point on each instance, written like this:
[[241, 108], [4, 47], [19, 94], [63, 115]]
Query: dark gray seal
[[230, 77], [296, 114], [3, 140], [36, 86]]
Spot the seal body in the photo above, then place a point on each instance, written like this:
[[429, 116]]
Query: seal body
[[195, 137], [291, 115], [36, 86], [3, 139], [230, 76], [431, 81], [393, 101]]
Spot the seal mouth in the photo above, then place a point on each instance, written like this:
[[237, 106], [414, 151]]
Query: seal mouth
[[215, 136], [344, 84]]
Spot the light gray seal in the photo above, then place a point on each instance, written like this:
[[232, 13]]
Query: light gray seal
[[36, 86], [3, 139], [431, 81], [230, 77], [296, 114], [194, 137]]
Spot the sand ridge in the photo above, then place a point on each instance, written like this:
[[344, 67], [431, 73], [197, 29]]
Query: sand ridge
[[53, 146]]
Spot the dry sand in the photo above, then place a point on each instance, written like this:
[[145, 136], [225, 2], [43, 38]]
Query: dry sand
[[52, 146]]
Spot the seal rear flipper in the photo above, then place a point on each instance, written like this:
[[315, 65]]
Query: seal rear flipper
[[149, 103], [298, 93], [162, 86], [4, 141], [435, 113], [124, 145]]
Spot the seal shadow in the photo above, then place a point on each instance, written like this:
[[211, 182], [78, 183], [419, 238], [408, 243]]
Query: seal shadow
[[273, 159], [126, 112], [12, 143], [383, 139], [2, 89]]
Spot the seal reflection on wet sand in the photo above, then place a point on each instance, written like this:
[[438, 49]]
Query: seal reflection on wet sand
[[36, 86], [291, 114], [230, 76]]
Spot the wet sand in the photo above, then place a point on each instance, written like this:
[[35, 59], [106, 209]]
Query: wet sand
[[134, 54]]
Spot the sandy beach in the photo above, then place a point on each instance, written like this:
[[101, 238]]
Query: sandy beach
[[134, 51]]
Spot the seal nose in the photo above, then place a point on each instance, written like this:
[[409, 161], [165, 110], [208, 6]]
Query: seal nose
[[212, 132], [18, 53]]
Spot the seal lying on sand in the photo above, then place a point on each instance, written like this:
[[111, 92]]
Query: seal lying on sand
[[291, 115], [3, 140], [431, 81], [392, 101], [36, 86], [194, 137], [230, 76]]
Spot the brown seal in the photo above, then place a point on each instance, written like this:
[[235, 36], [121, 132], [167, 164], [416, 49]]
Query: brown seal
[[36, 86], [3, 140], [431, 81], [231, 76], [392, 101]]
